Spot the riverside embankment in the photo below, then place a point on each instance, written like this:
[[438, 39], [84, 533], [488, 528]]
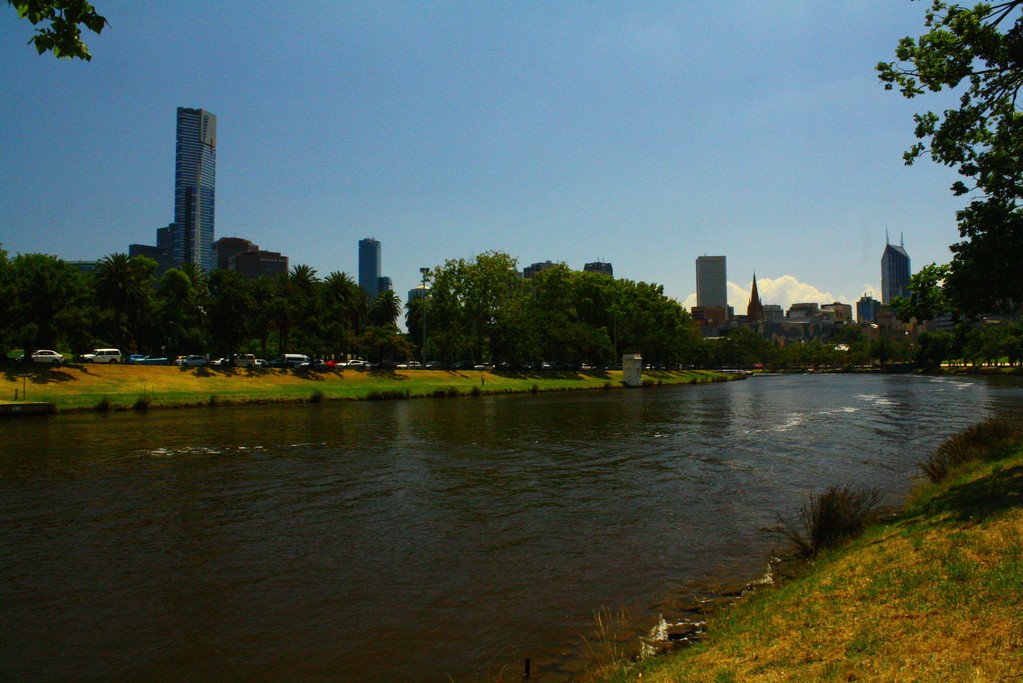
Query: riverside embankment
[[416, 540], [119, 387], [934, 594]]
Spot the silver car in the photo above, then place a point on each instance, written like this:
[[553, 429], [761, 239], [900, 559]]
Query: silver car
[[47, 356]]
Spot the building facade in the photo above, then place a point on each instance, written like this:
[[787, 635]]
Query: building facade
[[529, 272], [867, 309], [711, 281], [599, 267], [195, 176], [894, 272], [257, 263], [369, 266]]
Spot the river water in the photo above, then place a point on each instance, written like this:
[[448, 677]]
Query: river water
[[417, 540]]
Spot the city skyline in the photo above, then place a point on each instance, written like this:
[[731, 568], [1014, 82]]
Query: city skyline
[[637, 136]]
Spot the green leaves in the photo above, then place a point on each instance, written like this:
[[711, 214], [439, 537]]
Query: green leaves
[[63, 35], [977, 52]]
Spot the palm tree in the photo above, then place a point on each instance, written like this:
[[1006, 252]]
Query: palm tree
[[385, 310], [122, 284], [346, 300]]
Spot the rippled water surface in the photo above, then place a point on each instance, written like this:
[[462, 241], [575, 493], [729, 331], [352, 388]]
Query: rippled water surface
[[413, 540]]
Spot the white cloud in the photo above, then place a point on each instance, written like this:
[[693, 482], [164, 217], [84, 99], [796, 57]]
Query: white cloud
[[784, 291]]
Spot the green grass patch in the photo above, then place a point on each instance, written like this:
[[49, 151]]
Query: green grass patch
[[934, 593], [119, 387]]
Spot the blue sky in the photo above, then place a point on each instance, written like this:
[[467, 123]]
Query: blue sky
[[641, 133]]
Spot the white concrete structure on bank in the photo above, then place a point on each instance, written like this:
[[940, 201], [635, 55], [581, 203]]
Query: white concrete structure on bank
[[632, 369]]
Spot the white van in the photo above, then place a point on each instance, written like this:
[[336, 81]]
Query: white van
[[112, 356], [296, 360], [243, 360]]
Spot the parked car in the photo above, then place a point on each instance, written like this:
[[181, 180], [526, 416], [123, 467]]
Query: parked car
[[111, 356], [243, 360], [434, 365], [414, 364], [140, 359], [47, 356], [261, 363], [295, 360], [334, 363], [385, 365], [358, 364], [194, 361]]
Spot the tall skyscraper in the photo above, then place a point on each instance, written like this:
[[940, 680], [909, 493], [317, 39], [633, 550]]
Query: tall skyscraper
[[894, 271], [195, 175], [711, 281], [369, 266]]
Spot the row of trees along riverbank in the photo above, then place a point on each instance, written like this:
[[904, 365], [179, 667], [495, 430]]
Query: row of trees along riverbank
[[478, 310]]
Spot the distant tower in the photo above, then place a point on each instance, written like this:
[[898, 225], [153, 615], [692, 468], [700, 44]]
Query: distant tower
[[369, 266], [195, 177], [894, 271], [711, 281], [755, 310], [599, 267]]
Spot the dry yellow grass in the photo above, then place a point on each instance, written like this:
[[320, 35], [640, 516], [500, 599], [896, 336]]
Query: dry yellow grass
[[936, 595], [78, 387]]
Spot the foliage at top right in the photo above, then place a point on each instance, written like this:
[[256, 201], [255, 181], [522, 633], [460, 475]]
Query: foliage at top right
[[976, 52]]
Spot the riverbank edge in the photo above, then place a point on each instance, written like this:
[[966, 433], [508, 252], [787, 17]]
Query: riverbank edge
[[933, 594], [386, 387]]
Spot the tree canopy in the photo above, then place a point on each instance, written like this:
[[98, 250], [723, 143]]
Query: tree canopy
[[62, 21], [976, 52]]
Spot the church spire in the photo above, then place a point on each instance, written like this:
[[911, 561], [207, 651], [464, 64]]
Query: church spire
[[755, 309]]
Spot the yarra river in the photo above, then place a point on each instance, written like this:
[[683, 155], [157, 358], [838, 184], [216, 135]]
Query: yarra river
[[416, 540]]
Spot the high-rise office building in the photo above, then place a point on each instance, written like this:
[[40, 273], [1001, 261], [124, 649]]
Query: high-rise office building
[[867, 309], [599, 267], [711, 281], [529, 272], [894, 272], [369, 266], [195, 175]]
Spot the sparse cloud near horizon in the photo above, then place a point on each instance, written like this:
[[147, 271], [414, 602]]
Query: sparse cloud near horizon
[[784, 291]]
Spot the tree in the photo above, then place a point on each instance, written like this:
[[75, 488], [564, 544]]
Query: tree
[[44, 287], [230, 311], [123, 285], [927, 299], [64, 19], [180, 312], [344, 309], [384, 342], [385, 309], [977, 52]]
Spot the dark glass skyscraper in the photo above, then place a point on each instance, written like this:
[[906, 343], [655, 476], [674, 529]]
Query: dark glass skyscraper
[[195, 175], [894, 272], [369, 266]]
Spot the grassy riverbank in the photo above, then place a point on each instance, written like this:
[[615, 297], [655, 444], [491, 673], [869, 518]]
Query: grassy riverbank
[[935, 594], [88, 387]]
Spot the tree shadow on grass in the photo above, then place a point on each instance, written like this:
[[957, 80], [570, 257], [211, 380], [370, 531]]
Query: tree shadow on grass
[[982, 499], [39, 374]]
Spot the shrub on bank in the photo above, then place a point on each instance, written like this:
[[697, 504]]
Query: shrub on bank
[[831, 518], [973, 443]]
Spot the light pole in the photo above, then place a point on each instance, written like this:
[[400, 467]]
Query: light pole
[[424, 272]]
